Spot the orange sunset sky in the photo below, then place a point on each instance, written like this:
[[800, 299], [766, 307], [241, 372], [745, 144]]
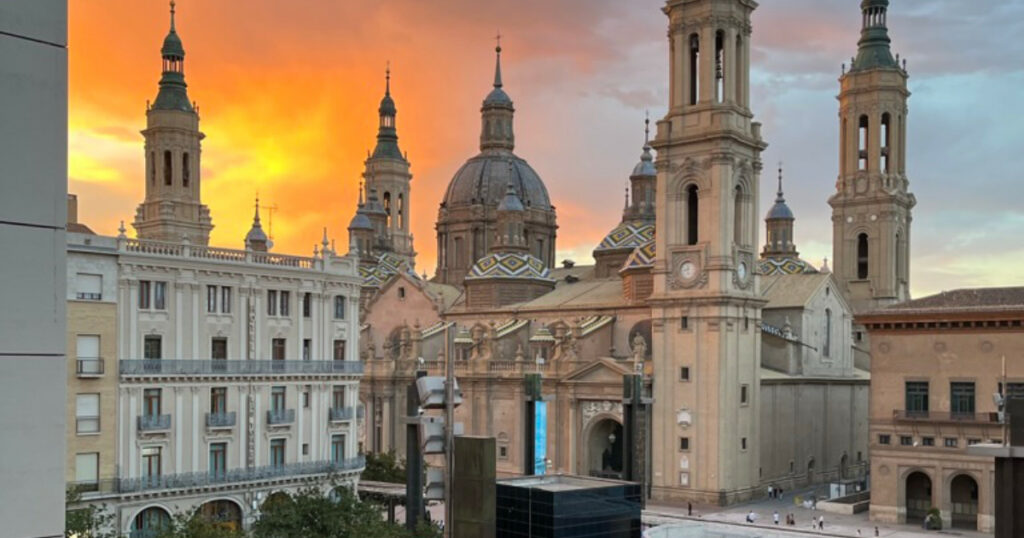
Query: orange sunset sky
[[288, 92]]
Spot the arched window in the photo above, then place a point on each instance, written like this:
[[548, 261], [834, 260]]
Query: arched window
[[862, 144], [457, 254], [828, 333], [738, 72], [862, 256], [185, 170], [387, 206], [152, 168], [720, 66], [885, 142], [692, 216], [737, 209], [694, 67], [167, 168], [401, 211]]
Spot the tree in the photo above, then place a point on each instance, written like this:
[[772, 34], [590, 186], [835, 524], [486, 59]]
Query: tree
[[89, 521], [311, 514], [194, 525], [384, 467]]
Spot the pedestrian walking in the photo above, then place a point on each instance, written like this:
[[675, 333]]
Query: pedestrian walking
[[775, 517], [689, 509], [821, 523], [876, 531], [770, 491]]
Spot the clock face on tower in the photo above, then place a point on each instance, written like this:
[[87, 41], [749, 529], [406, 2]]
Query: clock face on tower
[[687, 270], [741, 270]]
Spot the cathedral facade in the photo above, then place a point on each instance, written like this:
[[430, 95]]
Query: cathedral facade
[[756, 374]]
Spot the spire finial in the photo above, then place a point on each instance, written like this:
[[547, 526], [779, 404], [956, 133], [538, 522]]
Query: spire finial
[[360, 194], [779, 193], [387, 79], [497, 62], [172, 15], [625, 207], [256, 217], [647, 126]]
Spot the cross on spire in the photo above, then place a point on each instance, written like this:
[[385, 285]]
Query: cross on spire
[[779, 193], [647, 126], [172, 15], [497, 63], [387, 79]]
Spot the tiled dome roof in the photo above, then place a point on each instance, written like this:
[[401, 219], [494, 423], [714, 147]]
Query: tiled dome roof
[[627, 235], [510, 265], [642, 257]]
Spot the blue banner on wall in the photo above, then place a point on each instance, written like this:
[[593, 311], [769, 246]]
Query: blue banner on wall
[[540, 437]]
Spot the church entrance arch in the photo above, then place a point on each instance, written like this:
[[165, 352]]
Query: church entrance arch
[[604, 448]]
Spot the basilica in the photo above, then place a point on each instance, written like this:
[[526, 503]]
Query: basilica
[[757, 372]]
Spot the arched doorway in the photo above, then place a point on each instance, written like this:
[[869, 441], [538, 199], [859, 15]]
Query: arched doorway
[[223, 513], [919, 496], [604, 449], [149, 522], [810, 471], [963, 492], [843, 462]]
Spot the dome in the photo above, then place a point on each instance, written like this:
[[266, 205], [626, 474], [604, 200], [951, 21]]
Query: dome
[[780, 211], [255, 234], [360, 221], [642, 257], [646, 165], [510, 265], [172, 46], [784, 266], [627, 235], [510, 202], [484, 179], [498, 97], [387, 106]]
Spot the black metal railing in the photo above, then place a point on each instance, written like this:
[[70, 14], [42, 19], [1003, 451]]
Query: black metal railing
[[154, 422], [89, 367], [280, 416], [910, 415], [220, 420], [189, 480], [150, 367]]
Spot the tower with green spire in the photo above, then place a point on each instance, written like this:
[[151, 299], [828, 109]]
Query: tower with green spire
[[871, 208], [172, 209], [387, 174]]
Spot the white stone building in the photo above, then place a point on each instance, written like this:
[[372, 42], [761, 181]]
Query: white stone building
[[236, 372]]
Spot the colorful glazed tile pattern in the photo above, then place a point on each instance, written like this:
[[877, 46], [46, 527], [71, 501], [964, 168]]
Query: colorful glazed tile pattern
[[642, 257], [627, 235], [784, 266], [510, 265]]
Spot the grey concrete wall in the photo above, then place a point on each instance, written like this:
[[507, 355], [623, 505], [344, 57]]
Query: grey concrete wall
[[33, 210]]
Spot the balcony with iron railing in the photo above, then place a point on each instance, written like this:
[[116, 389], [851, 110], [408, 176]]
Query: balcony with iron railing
[[88, 296], [908, 415], [341, 414], [220, 367], [220, 420], [233, 476], [280, 417], [154, 423], [86, 367]]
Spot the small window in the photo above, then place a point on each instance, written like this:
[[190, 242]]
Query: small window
[[950, 442], [906, 440], [339, 350], [927, 441], [271, 302], [87, 468], [973, 441], [684, 323], [305, 399], [884, 439], [211, 299], [277, 452], [277, 398], [503, 452], [307, 349], [87, 413], [151, 347], [792, 467], [339, 307], [285, 301], [401, 292], [684, 444], [684, 373], [743, 394], [219, 348], [277, 349], [307, 305], [862, 256], [167, 168], [144, 294], [218, 400], [305, 449], [743, 443], [225, 299], [860, 456], [186, 170], [160, 295]]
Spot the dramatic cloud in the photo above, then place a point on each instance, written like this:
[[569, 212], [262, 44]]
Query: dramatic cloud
[[288, 93]]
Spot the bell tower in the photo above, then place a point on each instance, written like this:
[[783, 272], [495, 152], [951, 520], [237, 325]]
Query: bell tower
[[706, 306], [173, 209], [872, 204], [387, 173]]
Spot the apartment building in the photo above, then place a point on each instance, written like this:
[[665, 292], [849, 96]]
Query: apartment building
[[939, 366]]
